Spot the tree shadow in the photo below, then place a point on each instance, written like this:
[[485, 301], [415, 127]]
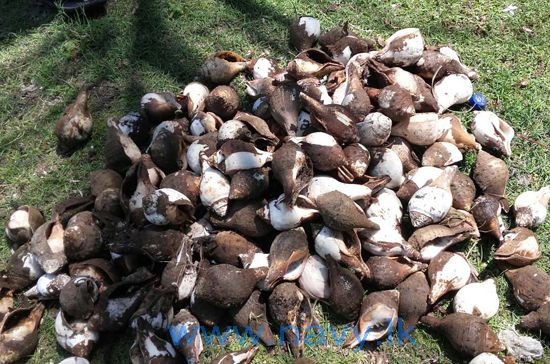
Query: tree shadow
[[19, 17], [254, 12], [154, 47]]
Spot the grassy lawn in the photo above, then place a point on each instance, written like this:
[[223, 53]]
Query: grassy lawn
[[143, 45]]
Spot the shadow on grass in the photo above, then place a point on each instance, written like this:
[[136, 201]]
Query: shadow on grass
[[19, 17], [254, 11], [153, 45]]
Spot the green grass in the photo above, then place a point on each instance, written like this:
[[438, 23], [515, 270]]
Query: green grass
[[142, 46]]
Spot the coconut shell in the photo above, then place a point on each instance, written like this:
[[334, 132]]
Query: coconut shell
[[208, 314], [334, 35], [348, 46], [416, 179], [303, 32], [120, 150], [312, 62], [429, 235], [357, 100], [387, 272], [357, 159], [406, 154], [247, 353], [324, 158], [531, 286], [82, 238], [226, 246], [422, 128], [168, 207], [313, 88], [434, 65], [223, 101], [335, 80], [159, 106], [441, 154], [47, 245], [447, 272], [537, 320], [23, 269], [289, 305], [167, 149], [6, 302], [19, 332], [452, 90], [403, 48], [396, 103], [204, 144], [491, 174], [334, 119], [285, 107], [221, 67], [241, 217], [374, 130], [314, 279], [423, 98], [339, 212], [75, 124], [260, 108], [468, 334], [461, 221], [157, 244], [385, 162], [134, 125], [486, 210], [226, 286], [230, 160], [431, 203], [260, 128], [287, 256], [184, 182], [458, 135], [413, 298], [103, 179], [249, 184], [189, 349], [78, 297], [378, 318], [141, 179], [253, 315], [204, 122], [519, 248], [530, 207], [288, 158], [346, 291], [72, 206], [463, 190], [124, 298], [101, 270], [108, 202], [22, 224]]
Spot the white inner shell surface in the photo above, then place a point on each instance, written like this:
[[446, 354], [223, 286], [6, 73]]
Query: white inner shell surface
[[214, 190], [479, 296], [284, 218], [320, 185], [312, 26], [453, 275], [432, 202], [245, 160]]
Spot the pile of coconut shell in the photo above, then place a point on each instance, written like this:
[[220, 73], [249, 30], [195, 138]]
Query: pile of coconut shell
[[341, 179]]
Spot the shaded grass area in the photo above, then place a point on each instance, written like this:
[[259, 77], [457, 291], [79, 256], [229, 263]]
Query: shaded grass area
[[141, 46]]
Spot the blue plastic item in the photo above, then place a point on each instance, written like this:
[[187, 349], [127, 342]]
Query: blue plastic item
[[478, 101]]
